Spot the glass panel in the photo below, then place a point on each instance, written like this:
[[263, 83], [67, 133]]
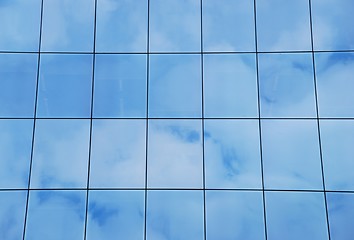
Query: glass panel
[[15, 152], [337, 139], [286, 85], [232, 156], [68, 25], [175, 154], [19, 24], [175, 215], [56, 215], [291, 155], [228, 25], [65, 86], [230, 86], [335, 84], [332, 24], [234, 215], [12, 214], [18, 77], [118, 153], [341, 215], [174, 26], [175, 86], [116, 215], [283, 25], [120, 86], [296, 215], [60, 154], [121, 26]]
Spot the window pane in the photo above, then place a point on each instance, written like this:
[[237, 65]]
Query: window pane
[[335, 84], [18, 77], [120, 86], [175, 154], [230, 86], [12, 214], [283, 25], [65, 86], [15, 152], [60, 154], [56, 215], [121, 26], [175, 86], [175, 215], [234, 215], [286, 85], [118, 153], [232, 156], [116, 215], [291, 155], [228, 25], [19, 24], [68, 25], [296, 215], [174, 26]]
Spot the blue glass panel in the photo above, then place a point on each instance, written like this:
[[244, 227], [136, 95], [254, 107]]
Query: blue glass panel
[[175, 86], [60, 154], [12, 214], [116, 215], [118, 153], [18, 77], [335, 84], [232, 156], [296, 215], [341, 215], [337, 139], [174, 26], [175, 154], [121, 26], [175, 215], [56, 215], [120, 86], [65, 86], [234, 215], [228, 25], [230, 86], [15, 152], [286, 85], [332, 24], [19, 24], [68, 25], [291, 155], [283, 25]]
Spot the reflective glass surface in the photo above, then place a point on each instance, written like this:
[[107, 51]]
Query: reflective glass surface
[[286, 85], [175, 86], [116, 215], [296, 215], [68, 25], [18, 77], [174, 215], [231, 153], [121, 26], [65, 86], [56, 215], [175, 26], [60, 154], [234, 215], [118, 153], [175, 154], [283, 25], [120, 86], [230, 86]]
